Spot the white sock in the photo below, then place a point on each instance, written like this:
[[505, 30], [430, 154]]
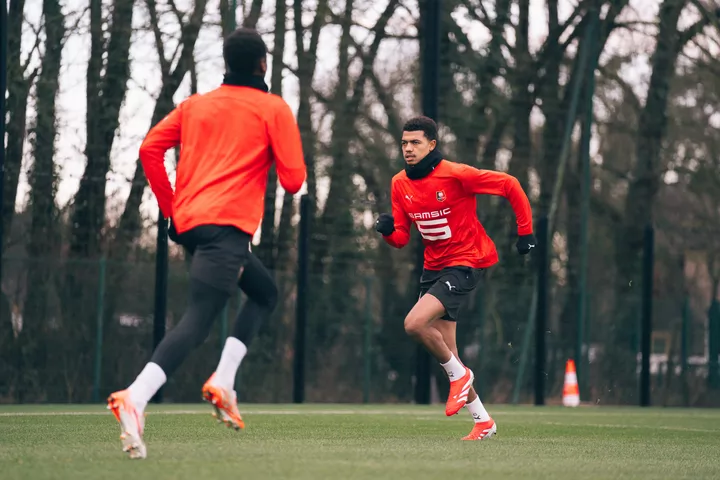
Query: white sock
[[454, 368], [477, 410], [146, 385], [232, 355]]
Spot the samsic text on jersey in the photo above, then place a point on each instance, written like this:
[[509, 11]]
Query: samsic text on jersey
[[443, 208]]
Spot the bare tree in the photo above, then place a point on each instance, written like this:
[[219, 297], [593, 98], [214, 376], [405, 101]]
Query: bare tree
[[253, 15], [130, 223], [107, 76], [20, 79], [268, 241], [44, 240], [652, 127]]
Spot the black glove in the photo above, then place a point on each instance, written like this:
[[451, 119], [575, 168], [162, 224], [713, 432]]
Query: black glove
[[526, 243], [172, 232], [385, 224]]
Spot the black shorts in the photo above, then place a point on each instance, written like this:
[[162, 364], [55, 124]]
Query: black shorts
[[219, 253], [452, 286]]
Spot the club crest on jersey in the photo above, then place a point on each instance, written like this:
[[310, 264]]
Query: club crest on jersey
[[440, 196]]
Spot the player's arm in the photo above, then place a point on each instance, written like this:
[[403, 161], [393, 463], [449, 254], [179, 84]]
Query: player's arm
[[489, 182], [394, 228], [162, 137], [286, 146]]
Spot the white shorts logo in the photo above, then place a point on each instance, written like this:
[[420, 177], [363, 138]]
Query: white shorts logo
[[434, 230]]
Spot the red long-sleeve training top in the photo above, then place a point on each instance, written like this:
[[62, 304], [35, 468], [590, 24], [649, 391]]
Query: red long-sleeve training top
[[444, 209], [228, 139]]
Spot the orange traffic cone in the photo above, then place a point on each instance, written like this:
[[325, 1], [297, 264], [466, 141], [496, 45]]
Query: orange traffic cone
[[571, 393]]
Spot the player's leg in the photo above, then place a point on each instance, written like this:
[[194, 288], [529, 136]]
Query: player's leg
[[214, 270], [448, 330], [261, 290], [452, 287], [418, 325], [485, 426]]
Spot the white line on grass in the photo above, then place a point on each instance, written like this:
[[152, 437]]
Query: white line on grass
[[200, 410], [207, 411], [624, 425], [405, 412]]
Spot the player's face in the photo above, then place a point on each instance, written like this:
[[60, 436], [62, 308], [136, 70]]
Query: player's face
[[416, 146]]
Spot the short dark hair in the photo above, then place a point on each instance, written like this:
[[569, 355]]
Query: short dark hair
[[426, 124], [243, 49]]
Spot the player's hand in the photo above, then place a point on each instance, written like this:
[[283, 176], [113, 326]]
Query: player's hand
[[172, 232], [526, 243], [385, 224]]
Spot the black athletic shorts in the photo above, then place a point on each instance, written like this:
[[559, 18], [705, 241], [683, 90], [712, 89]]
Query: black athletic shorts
[[219, 252], [452, 286]]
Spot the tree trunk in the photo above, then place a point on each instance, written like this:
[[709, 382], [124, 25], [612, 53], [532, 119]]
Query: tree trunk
[[43, 245], [253, 16], [130, 224], [18, 90], [639, 202], [268, 238], [106, 89]]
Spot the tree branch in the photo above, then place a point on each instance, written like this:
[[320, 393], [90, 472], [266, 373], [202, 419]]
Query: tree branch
[[252, 18], [626, 88], [686, 35], [159, 46], [180, 15]]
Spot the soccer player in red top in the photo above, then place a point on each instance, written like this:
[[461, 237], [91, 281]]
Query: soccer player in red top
[[229, 138], [438, 196]]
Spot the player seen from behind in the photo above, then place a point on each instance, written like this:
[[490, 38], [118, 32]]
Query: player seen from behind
[[228, 138], [438, 196]]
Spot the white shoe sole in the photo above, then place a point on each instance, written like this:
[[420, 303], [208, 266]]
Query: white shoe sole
[[491, 433], [132, 441]]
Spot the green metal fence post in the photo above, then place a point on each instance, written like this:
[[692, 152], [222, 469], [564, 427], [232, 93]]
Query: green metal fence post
[[585, 203], [684, 341], [367, 350], [99, 329], [714, 345]]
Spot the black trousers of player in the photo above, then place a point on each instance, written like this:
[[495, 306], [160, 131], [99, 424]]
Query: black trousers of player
[[221, 262]]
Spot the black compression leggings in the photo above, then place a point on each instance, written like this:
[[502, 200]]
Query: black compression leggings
[[262, 296], [205, 304]]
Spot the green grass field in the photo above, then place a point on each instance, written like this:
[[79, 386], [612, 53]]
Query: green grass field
[[363, 442]]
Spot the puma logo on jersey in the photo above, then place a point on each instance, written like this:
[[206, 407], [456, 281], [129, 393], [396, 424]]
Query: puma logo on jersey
[[409, 197]]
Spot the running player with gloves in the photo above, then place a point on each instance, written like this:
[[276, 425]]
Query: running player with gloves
[[438, 196]]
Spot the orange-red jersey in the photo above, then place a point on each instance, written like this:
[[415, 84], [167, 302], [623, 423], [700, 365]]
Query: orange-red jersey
[[443, 208], [228, 138]]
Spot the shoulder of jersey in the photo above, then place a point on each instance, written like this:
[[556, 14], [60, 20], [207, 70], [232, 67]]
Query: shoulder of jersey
[[454, 168], [275, 100], [400, 176]]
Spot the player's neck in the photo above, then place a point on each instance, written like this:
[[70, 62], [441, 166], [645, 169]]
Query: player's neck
[[425, 166], [245, 80]]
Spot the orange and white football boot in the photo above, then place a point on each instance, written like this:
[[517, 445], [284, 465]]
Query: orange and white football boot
[[132, 423], [482, 431], [224, 402], [459, 389]]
